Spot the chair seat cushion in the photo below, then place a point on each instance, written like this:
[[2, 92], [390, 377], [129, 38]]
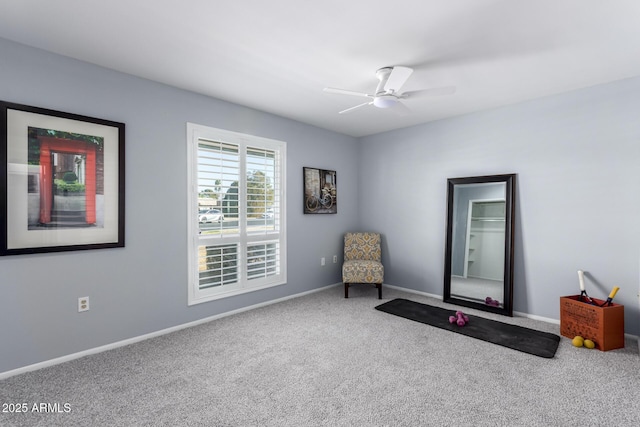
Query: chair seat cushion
[[362, 271]]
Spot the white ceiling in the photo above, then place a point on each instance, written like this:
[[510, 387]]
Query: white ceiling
[[278, 55]]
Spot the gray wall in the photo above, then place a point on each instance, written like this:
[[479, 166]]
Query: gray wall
[[577, 157], [142, 288]]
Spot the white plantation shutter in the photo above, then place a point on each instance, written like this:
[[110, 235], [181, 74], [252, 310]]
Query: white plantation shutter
[[219, 175], [242, 178], [217, 265], [262, 260]]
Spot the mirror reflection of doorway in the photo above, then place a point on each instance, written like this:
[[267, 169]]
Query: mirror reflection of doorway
[[484, 255], [484, 252], [479, 242]]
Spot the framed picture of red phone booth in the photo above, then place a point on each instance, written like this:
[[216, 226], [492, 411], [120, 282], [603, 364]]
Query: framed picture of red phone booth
[[62, 184]]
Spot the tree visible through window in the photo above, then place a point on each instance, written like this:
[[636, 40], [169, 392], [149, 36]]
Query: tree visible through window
[[236, 213]]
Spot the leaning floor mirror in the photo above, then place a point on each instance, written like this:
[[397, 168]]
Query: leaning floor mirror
[[478, 270]]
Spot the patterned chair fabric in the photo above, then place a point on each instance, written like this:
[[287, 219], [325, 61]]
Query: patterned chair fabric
[[362, 256]]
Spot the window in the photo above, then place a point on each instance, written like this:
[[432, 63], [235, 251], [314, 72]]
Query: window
[[236, 213]]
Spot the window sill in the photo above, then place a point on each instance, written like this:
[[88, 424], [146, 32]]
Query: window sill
[[193, 300]]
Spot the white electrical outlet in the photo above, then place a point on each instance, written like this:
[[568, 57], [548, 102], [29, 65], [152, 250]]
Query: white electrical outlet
[[83, 304], [335, 259], [322, 261]]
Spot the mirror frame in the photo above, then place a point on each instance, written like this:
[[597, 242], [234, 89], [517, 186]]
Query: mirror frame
[[510, 188]]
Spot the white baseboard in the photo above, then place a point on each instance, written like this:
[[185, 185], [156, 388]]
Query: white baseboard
[[413, 291], [95, 350], [534, 317]]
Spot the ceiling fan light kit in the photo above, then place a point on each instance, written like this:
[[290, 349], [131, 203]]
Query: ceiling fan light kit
[[387, 94], [385, 101]]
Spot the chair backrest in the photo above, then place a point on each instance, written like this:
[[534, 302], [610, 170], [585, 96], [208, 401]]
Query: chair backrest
[[363, 246]]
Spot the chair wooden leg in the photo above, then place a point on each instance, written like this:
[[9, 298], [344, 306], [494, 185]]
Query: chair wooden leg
[[379, 286], [346, 290]]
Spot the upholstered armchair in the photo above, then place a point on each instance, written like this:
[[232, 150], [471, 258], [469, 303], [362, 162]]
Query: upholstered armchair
[[362, 261]]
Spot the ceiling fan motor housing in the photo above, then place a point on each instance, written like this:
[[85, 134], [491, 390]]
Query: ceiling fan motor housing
[[383, 75], [384, 98]]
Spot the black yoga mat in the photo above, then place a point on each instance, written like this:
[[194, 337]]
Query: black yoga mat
[[530, 341]]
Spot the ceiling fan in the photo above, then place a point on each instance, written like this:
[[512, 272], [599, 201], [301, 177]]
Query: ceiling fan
[[387, 94]]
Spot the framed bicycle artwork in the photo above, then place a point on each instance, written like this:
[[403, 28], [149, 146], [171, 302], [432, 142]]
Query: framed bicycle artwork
[[320, 191], [63, 189]]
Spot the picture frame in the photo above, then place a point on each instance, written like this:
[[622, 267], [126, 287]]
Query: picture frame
[[320, 191], [62, 182]]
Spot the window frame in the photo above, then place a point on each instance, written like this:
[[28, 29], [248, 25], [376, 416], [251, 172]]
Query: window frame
[[244, 237]]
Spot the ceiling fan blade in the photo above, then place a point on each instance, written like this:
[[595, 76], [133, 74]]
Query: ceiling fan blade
[[346, 92], [397, 78], [436, 91], [348, 110], [400, 109]]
